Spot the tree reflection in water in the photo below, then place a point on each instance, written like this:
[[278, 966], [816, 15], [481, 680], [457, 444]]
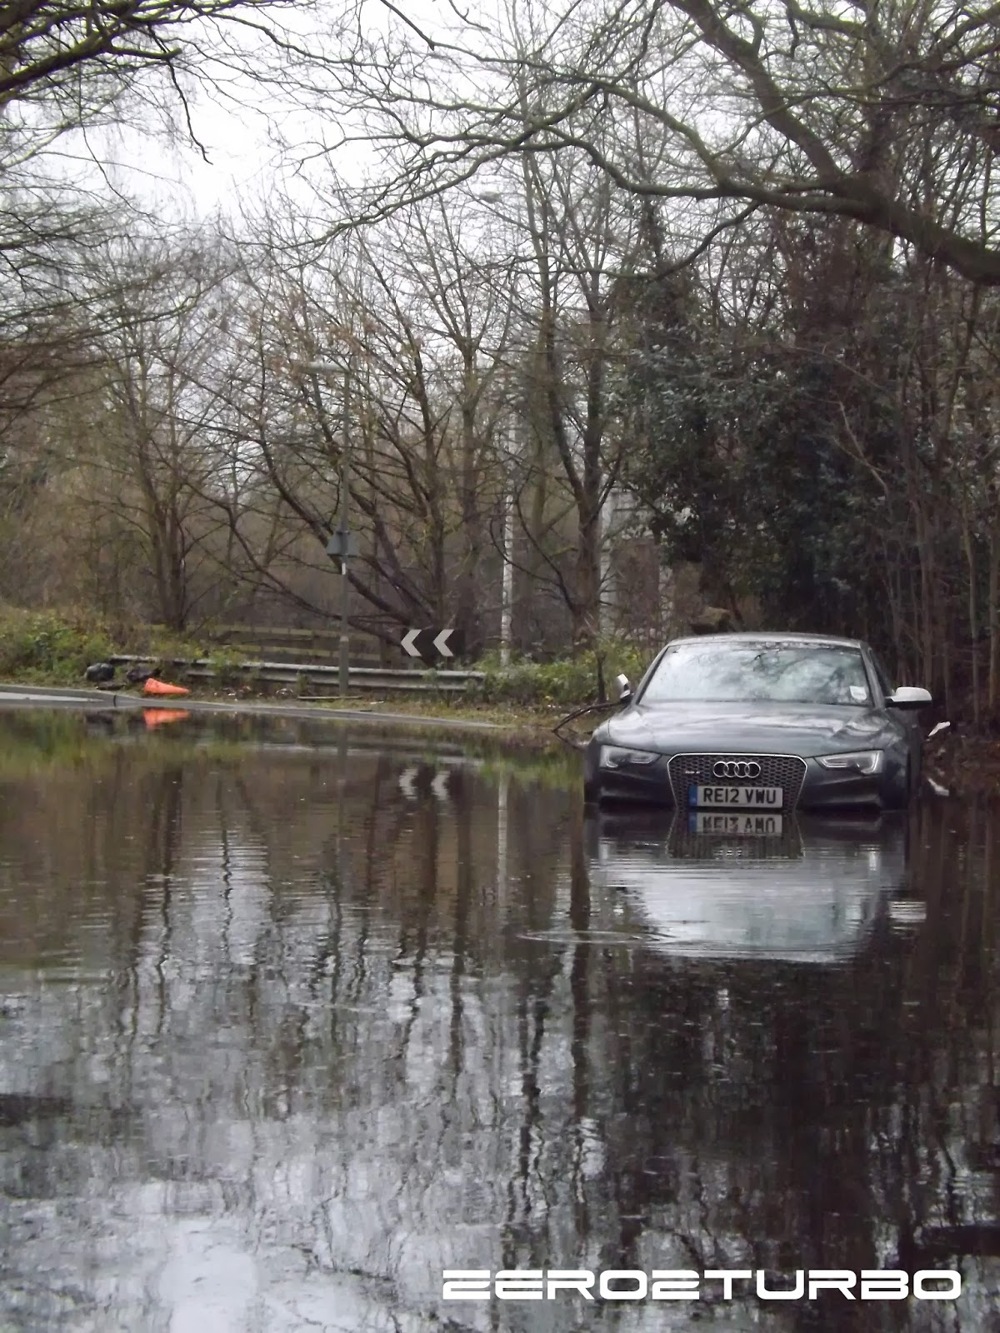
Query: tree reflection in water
[[286, 1033]]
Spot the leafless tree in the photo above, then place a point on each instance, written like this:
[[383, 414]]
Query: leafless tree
[[870, 114]]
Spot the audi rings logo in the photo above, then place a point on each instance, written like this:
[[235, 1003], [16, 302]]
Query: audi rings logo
[[736, 768]]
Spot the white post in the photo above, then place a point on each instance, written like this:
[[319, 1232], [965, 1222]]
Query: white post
[[507, 591], [507, 588]]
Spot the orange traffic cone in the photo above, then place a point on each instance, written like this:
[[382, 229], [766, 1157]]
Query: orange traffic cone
[[161, 688]]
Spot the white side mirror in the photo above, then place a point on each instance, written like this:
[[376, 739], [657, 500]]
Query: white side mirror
[[624, 688], [910, 696]]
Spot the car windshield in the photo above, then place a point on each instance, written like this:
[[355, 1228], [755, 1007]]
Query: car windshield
[[813, 673]]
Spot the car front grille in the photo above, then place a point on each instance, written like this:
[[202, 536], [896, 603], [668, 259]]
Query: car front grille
[[787, 771]]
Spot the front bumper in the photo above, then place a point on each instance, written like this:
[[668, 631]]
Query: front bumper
[[821, 788]]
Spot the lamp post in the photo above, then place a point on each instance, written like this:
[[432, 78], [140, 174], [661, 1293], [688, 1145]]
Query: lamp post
[[496, 195], [342, 544], [344, 672]]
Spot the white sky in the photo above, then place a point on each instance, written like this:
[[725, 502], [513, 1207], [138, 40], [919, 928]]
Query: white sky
[[239, 132]]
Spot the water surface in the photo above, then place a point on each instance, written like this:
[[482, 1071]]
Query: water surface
[[294, 1018]]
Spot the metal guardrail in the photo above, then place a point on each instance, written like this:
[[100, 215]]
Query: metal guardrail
[[310, 673], [279, 634], [279, 645]]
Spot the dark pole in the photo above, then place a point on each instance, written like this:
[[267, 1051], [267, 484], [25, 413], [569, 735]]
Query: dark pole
[[345, 586]]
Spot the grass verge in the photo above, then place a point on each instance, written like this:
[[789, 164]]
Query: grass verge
[[526, 699]]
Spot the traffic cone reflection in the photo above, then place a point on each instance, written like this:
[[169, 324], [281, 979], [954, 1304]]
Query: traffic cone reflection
[[159, 717]]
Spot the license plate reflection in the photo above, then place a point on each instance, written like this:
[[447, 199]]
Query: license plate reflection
[[735, 824]]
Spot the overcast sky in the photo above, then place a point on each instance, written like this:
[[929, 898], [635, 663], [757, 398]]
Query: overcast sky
[[239, 130]]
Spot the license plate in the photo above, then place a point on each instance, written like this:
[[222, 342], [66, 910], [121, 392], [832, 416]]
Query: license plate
[[732, 797], [735, 824]]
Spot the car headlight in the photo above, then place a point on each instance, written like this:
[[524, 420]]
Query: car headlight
[[616, 756], [860, 761]]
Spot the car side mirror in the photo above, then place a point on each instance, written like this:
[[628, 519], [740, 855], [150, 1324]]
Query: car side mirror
[[909, 696], [624, 688]]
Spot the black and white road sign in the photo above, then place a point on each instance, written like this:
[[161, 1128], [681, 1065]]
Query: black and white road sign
[[431, 644]]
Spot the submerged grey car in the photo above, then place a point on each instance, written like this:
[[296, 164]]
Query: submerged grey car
[[739, 727]]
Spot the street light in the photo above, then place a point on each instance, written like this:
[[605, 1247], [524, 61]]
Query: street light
[[342, 544], [496, 195]]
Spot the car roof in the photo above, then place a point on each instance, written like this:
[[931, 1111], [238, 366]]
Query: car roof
[[765, 636]]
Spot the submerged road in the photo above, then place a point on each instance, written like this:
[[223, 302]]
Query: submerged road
[[56, 696], [295, 1021]]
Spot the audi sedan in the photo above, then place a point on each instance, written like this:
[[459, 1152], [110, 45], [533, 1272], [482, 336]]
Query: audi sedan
[[740, 728]]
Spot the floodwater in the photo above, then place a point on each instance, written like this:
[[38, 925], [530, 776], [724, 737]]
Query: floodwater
[[293, 1019]]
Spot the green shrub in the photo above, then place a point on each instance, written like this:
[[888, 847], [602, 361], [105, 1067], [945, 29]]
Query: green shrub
[[45, 644], [226, 663], [56, 647], [567, 681]]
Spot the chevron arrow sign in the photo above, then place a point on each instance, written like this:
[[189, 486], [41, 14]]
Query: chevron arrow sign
[[432, 645]]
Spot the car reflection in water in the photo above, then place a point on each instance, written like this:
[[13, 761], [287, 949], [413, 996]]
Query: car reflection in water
[[808, 890]]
